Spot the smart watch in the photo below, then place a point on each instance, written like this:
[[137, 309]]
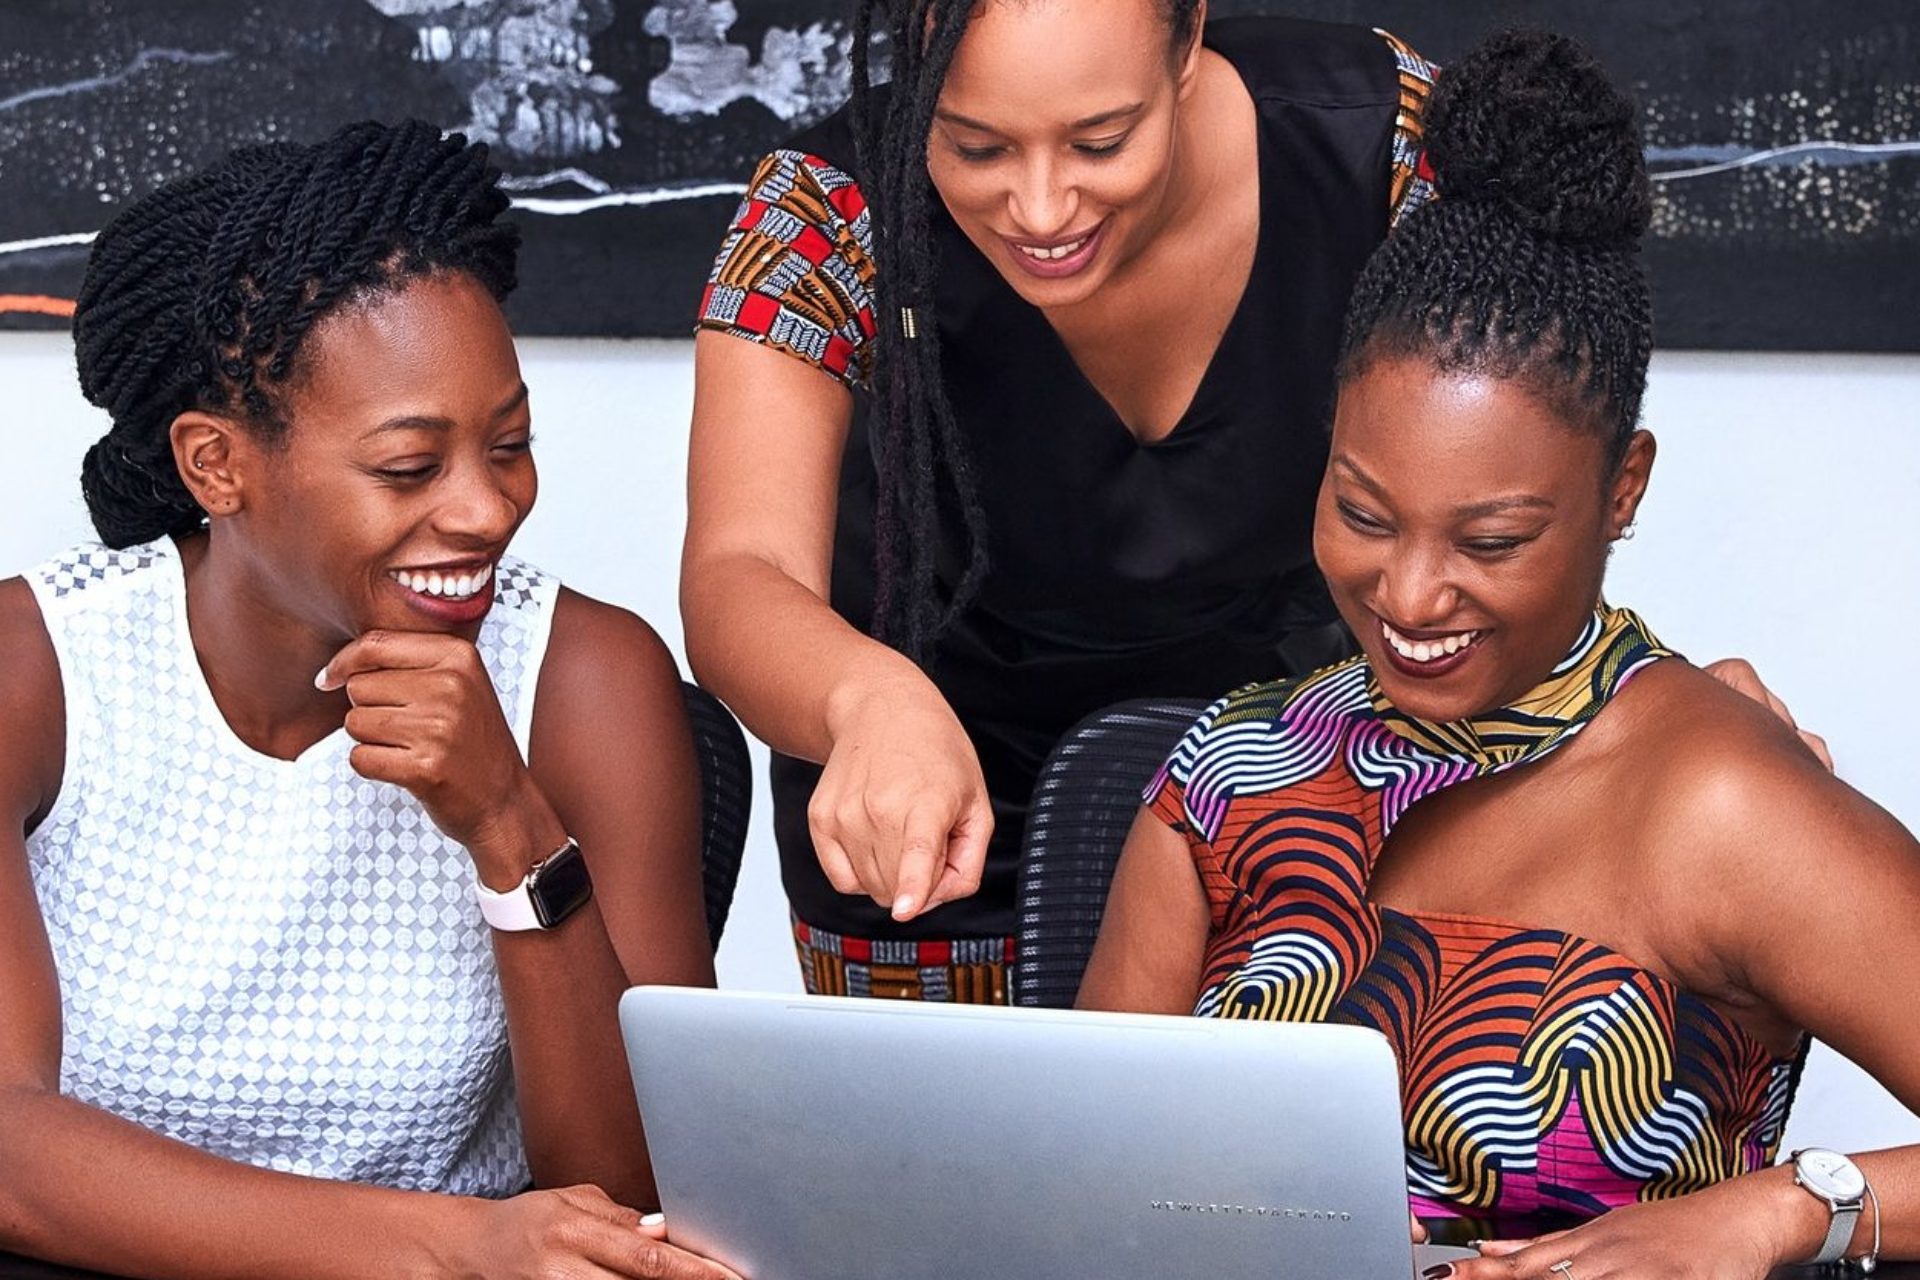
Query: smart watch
[[555, 888], [1837, 1181]]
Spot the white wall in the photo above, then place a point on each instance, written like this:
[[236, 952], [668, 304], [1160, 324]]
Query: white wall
[[1780, 527]]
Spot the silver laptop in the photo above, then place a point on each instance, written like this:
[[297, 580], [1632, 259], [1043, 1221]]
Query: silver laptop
[[807, 1138]]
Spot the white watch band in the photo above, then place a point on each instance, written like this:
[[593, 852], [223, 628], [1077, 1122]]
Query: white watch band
[[512, 911]]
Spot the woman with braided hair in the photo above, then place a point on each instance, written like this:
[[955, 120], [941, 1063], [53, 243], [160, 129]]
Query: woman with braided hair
[[1596, 901], [1011, 397], [253, 1009], [1010, 392]]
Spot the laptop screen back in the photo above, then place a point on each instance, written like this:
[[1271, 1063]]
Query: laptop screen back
[[820, 1139]]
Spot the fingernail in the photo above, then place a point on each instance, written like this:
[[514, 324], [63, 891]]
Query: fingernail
[[1440, 1272], [320, 681], [653, 1219], [902, 906]]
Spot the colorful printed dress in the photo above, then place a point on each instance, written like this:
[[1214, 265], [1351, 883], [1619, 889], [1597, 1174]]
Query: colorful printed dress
[[1541, 1072], [1119, 569]]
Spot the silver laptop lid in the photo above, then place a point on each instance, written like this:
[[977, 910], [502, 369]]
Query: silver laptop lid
[[808, 1138]]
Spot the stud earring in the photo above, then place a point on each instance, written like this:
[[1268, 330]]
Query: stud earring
[[1626, 534]]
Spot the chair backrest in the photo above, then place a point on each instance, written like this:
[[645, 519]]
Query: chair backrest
[[726, 798], [1084, 801]]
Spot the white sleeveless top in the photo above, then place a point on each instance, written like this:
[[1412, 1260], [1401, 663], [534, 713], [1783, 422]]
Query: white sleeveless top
[[276, 961]]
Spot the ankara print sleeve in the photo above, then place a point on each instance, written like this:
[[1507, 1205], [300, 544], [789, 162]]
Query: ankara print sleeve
[[795, 271], [1412, 178], [1166, 799]]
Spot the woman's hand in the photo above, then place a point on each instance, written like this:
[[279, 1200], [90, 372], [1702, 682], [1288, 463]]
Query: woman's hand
[[574, 1233], [901, 811], [1741, 1229], [426, 718], [1738, 674]]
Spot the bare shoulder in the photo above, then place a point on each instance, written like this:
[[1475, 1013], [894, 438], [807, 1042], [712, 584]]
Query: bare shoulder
[[602, 658], [601, 651], [1736, 805], [32, 706]]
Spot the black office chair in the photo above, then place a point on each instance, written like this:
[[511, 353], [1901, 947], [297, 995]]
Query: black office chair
[[726, 798], [1083, 803]]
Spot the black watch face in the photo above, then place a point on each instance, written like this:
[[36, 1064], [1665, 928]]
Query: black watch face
[[561, 888]]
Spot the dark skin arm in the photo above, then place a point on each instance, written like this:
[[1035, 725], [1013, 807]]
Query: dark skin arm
[[901, 811], [1153, 937], [613, 755], [83, 1187]]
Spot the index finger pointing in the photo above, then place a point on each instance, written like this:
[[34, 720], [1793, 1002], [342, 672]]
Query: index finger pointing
[[923, 847]]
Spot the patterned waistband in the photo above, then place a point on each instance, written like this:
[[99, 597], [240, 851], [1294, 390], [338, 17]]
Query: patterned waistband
[[958, 971]]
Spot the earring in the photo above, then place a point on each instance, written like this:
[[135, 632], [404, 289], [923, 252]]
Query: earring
[[1626, 534]]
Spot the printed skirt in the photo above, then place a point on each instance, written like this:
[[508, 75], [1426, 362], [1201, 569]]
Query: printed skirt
[[959, 971]]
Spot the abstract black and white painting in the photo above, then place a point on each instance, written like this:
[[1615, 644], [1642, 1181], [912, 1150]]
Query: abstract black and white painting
[[1785, 137]]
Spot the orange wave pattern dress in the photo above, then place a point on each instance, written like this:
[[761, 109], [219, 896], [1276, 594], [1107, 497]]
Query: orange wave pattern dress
[[1540, 1072]]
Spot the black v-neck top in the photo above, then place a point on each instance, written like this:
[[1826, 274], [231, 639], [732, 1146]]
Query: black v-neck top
[[1123, 569]]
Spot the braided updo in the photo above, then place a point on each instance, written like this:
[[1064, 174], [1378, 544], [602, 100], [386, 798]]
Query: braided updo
[[200, 295], [1527, 268]]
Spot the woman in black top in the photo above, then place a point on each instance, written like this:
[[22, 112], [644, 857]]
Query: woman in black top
[[1067, 439]]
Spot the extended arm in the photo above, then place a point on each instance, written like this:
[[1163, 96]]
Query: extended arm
[[901, 812]]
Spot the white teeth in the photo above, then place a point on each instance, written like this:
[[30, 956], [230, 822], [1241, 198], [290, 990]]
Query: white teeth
[[447, 586], [1427, 650], [1057, 252]]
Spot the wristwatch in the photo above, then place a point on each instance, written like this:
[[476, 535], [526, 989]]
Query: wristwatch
[[1838, 1181], [555, 888]]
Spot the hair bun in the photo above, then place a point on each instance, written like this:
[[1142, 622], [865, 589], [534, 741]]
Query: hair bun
[[1529, 121]]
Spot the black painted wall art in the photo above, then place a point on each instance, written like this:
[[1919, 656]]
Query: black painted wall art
[[1785, 138]]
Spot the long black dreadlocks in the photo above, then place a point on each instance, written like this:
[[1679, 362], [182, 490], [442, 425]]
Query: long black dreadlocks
[[200, 294], [921, 456], [1528, 267]]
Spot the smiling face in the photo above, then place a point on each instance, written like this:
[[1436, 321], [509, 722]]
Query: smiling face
[[1054, 143], [1463, 529], [405, 469]]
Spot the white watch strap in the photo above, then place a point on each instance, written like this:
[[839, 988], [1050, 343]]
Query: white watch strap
[[511, 911]]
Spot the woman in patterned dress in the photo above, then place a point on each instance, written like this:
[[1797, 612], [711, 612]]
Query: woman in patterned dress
[[251, 1012], [1596, 901]]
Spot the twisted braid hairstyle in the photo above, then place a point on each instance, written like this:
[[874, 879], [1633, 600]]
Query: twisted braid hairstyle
[[920, 455], [200, 295], [1527, 268]]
